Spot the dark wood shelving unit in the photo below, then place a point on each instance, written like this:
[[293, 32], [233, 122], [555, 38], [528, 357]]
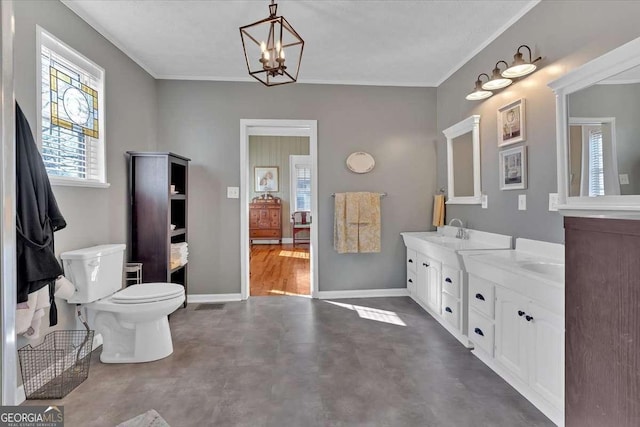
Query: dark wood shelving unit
[[153, 208]]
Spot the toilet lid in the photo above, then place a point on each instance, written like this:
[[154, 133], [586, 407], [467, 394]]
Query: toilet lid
[[147, 292]]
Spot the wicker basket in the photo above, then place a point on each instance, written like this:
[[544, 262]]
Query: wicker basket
[[57, 366]]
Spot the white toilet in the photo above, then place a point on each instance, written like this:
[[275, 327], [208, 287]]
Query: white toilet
[[133, 321]]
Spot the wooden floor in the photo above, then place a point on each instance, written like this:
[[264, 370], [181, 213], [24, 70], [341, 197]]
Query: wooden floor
[[280, 270]]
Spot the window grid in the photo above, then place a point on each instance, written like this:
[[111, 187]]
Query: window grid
[[303, 188], [66, 152]]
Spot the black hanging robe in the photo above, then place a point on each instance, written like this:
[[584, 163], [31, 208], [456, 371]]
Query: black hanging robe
[[37, 217]]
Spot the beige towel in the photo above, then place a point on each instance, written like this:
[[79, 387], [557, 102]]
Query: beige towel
[[356, 222], [438, 210]]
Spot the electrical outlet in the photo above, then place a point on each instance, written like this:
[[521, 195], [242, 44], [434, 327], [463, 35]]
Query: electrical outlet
[[522, 202], [553, 202], [624, 178], [485, 201], [233, 192]]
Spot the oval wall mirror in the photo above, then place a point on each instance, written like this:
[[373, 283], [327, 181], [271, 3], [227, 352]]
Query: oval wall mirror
[[360, 162]]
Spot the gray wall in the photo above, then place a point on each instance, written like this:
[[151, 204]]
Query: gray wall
[[201, 120], [567, 34], [623, 103], [94, 216], [275, 151]]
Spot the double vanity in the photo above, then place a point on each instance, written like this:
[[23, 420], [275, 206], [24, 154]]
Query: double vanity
[[506, 304]]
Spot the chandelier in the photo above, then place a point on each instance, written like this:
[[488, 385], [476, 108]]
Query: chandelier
[[265, 43]]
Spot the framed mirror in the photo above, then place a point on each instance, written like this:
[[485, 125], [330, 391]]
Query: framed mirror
[[598, 134], [463, 162]]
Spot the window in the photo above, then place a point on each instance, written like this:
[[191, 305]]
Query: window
[[300, 183], [596, 167], [70, 115]]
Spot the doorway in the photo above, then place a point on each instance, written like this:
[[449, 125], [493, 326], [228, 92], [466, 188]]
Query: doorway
[[278, 182]]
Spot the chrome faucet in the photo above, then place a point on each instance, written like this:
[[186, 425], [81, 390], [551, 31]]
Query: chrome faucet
[[462, 233]]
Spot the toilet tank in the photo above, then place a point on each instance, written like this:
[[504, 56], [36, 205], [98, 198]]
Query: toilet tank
[[96, 272]]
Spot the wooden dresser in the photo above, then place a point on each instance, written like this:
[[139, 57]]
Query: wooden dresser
[[265, 219]]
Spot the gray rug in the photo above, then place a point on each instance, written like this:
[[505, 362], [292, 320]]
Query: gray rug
[[148, 419]]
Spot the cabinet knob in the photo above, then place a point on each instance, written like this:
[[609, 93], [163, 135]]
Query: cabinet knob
[[425, 264], [410, 261], [448, 310], [478, 331], [448, 280], [480, 297], [529, 318], [410, 281], [521, 313]]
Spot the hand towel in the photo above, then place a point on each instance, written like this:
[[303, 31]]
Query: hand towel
[[438, 210], [64, 288], [345, 235], [369, 223]]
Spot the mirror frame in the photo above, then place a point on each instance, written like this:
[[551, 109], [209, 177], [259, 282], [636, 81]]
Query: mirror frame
[[611, 63], [470, 124]]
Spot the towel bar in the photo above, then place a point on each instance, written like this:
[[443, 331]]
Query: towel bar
[[381, 194]]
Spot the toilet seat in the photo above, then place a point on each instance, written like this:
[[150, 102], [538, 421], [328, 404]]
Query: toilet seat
[[147, 292]]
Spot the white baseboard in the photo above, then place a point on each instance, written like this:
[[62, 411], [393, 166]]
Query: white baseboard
[[364, 293], [273, 242], [204, 298]]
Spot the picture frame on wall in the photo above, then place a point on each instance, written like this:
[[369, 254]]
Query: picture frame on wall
[[512, 123], [513, 168], [265, 178]]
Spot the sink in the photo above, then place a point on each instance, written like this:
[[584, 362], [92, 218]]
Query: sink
[[555, 270]]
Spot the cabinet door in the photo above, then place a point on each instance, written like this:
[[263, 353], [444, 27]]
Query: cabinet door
[[254, 218], [434, 286], [274, 215], [511, 332], [264, 220], [546, 353], [422, 278], [411, 283]]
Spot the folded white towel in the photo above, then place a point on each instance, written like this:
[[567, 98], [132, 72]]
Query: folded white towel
[[24, 315], [64, 288], [33, 333], [28, 320]]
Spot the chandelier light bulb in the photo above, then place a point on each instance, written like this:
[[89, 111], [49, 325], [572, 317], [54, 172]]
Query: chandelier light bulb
[[263, 47]]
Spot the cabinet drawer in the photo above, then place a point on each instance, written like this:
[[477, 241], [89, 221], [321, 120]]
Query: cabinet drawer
[[451, 310], [411, 283], [264, 233], [481, 332], [451, 279], [411, 260], [481, 295]]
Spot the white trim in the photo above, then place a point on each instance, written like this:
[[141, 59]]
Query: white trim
[[619, 82], [294, 160], [271, 131], [611, 63], [300, 81], [73, 182], [364, 293], [307, 128], [470, 124], [488, 41], [100, 29], [285, 240], [206, 298], [8, 350]]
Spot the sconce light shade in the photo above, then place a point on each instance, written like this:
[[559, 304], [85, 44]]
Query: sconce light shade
[[264, 43], [497, 81], [520, 67], [479, 93]]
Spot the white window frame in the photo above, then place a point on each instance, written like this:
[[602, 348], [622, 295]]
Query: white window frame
[[45, 38], [293, 161]]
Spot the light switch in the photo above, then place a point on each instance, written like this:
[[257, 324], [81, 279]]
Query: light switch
[[485, 201], [233, 192], [553, 202], [624, 178], [522, 202]]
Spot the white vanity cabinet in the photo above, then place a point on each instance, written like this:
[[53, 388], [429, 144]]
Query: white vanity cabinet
[[436, 278], [516, 323]]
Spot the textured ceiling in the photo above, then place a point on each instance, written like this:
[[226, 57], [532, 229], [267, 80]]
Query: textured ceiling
[[397, 43]]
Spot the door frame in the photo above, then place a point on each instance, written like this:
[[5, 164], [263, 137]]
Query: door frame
[[8, 268], [269, 127]]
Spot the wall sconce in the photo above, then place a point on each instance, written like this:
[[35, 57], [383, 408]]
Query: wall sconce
[[520, 67], [501, 79], [479, 93], [497, 81]]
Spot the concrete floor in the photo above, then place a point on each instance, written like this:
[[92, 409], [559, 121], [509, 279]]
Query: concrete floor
[[293, 361]]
